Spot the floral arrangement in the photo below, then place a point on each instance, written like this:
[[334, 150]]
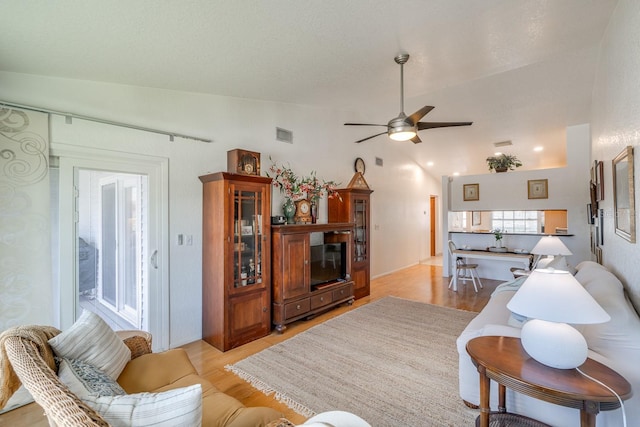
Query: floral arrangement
[[497, 233], [297, 187]]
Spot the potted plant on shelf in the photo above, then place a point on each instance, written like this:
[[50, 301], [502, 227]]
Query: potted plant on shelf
[[498, 234], [503, 162]]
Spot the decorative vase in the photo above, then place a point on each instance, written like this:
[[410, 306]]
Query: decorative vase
[[498, 243], [314, 212], [289, 210]]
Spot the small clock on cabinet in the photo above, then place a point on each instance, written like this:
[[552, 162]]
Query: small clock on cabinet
[[243, 161], [303, 212]]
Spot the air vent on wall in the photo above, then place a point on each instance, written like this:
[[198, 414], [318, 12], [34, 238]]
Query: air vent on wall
[[284, 135], [378, 161], [502, 144]]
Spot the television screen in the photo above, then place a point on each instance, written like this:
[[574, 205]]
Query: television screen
[[327, 260]]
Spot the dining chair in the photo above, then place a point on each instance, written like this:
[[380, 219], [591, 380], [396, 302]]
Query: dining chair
[[463, 271]]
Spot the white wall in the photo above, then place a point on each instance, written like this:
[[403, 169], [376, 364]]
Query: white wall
[[615, 125], [568, 188], [321, 143]]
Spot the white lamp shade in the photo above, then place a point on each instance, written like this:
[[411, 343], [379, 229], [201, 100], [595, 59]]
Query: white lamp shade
[[556, 296], [550, 245]]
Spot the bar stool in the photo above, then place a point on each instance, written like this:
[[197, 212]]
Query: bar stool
[[464, 271]]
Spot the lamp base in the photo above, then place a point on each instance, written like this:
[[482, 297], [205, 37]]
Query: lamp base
[[557, 345]]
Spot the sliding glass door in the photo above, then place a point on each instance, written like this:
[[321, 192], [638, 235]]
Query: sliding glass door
[[113, 241]]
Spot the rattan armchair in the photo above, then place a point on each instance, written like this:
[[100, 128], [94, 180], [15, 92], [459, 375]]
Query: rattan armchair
[[31, 361]]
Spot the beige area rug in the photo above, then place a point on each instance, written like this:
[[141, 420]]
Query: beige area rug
[[393, 362]]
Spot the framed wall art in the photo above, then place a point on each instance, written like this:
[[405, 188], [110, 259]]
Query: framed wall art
[[600, 227], [594, 198], [538, 188], [470, 192], [476, 218], [624, 195], [599, 180]]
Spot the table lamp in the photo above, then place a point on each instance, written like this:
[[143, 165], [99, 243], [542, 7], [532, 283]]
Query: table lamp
[[549, 246], [551, 299]]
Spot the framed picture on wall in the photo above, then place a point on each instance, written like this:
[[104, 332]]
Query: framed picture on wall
[[624, 195], [476, 218], [599, 181], [470, 192], [538, 188], [594, 197], [600, 227], [589, 214]]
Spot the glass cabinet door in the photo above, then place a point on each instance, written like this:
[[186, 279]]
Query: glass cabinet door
[[360, 237], [247, 238]]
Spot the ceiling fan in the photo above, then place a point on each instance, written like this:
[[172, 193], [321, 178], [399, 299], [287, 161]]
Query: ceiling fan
[[403, 127]]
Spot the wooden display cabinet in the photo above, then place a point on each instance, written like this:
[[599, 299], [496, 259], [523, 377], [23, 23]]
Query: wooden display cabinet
[[356, 207], [236, 259], [296, 291]]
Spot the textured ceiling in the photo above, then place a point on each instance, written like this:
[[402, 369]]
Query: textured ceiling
[[520, 70]]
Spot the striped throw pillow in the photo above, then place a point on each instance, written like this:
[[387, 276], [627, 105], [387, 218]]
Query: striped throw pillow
[[91, 340], [179, 407]]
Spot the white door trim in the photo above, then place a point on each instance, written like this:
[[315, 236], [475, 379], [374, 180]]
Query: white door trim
[[157, 168]]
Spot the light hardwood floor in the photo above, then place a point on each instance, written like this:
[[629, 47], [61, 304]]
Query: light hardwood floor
[[422, 282]]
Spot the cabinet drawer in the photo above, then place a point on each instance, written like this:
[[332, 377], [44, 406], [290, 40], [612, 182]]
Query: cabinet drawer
[[294, 309], [321, 299], [342, 292]]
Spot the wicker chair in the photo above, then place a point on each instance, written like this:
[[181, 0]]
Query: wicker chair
[[62, 407]]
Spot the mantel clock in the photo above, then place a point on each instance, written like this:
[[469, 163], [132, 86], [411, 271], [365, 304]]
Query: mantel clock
[[243, 161]]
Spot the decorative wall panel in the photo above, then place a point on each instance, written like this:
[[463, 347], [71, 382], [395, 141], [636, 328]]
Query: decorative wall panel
[[25, 228]]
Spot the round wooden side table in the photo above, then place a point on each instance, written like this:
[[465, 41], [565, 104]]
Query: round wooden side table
[[503, 360]]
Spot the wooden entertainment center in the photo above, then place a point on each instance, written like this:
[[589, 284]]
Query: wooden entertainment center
[[294, 295]]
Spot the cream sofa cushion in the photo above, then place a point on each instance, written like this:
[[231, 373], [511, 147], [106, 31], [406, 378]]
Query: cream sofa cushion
[[150, 373], [91, 340]]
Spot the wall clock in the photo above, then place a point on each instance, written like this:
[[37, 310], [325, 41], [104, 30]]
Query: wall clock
[[303, 212], [359, 165], [243, 161]]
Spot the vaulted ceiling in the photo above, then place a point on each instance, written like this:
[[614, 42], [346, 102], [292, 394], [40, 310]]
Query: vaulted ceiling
[[521, 70]]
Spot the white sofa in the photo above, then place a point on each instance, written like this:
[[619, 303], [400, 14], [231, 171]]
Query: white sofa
[[615, 344]]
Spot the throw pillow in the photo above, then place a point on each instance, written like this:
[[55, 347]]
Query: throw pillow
[[91, 340], [179, 407], [84, 379]]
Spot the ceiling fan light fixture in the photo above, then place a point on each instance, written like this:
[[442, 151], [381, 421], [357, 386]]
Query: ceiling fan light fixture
[[400, 129], [401, 134]]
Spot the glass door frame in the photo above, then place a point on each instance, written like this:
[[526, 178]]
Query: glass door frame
[[72, 158]]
